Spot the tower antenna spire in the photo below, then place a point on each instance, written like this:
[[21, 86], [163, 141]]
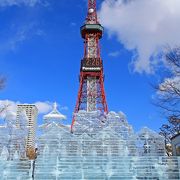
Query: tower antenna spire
[[92, 13]]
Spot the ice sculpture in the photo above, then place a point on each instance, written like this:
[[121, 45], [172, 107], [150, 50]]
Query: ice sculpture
[[13, 161], [4, 154], [54, 115], [103, 146], [3, 136], [152, 144]]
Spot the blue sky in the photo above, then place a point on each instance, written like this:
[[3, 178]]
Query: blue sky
[[40, 53]]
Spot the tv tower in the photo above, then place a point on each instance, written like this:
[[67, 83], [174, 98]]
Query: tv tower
[[91, 95]]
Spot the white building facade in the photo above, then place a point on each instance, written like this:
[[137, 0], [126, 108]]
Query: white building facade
[[31, 112]]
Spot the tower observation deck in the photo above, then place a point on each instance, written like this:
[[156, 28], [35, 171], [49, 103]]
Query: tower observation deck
[[91, 95]]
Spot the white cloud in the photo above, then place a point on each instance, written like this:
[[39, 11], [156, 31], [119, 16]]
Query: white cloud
[[31, 3], [63, 108], [19, 36], [143, 26], [43, 108], [114, 54], [10, 111], [73, 24]]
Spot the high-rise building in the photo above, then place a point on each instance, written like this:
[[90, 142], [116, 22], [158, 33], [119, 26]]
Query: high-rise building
[[31, 113]]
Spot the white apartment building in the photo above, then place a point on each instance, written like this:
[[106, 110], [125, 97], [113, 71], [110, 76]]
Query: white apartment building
[[31, 113]]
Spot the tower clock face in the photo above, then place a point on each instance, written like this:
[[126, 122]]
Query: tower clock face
[[91, 64]]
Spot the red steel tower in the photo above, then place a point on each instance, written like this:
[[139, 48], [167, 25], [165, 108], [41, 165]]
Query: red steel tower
[[91, 95]]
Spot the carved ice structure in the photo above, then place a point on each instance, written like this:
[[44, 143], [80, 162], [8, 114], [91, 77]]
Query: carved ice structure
[[101, 147], [13, 164]]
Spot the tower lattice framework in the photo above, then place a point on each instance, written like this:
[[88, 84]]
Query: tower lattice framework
[[91, 95]]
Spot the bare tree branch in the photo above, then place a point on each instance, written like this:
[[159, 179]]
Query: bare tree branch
[[168, 96]]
